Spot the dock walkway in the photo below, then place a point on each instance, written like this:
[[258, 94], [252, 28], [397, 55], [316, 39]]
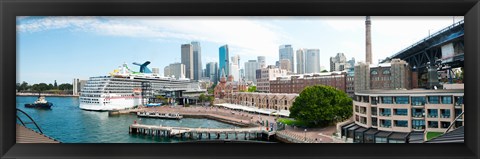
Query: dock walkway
[[156, 130], [26, 135]]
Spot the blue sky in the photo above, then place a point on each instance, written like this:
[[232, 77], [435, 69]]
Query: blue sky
[[63, 48]]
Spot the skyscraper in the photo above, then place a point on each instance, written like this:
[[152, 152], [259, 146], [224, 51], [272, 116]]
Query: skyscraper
[[187, 60], [250, 71], [338, 63], [261, 62], [312, 61], [286, 52], [197, 60], [175, 69], [300, 61], [368, 52], [211, 71], [224, 63]]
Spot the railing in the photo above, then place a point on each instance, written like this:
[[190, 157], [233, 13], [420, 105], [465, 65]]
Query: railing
[[33, 121]]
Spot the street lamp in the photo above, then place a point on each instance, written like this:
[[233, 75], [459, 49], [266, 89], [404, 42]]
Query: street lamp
[[305, 134]]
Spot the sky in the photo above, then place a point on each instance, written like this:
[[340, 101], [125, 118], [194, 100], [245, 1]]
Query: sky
[[64, 48]]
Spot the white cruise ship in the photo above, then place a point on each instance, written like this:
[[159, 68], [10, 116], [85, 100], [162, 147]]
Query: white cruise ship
[[123, 88]]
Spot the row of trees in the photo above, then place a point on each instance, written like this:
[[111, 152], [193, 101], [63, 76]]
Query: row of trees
[[40, 87], [203, 98]]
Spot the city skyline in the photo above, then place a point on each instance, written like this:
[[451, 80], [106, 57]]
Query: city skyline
[[100, 44]]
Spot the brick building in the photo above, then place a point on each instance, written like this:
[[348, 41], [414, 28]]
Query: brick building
[[277, 101], [227, 87], [296, 83]]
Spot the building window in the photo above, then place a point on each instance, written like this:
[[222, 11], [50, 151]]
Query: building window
[[374, 100], [401, 123], [418, 124], [444, 113], [418, 113], [432, 113], [374, 72], [386, 72], [458, 101], [385, 123], [432, 124], [401, 100], [380, 140], [385, 112], [418, 101], [374, 110], [402, 112], [363, 110], [444, 124], [446, 99], [433, 100], [387, 100], [374, 121]]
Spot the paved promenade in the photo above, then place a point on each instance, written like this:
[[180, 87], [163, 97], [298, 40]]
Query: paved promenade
[[313, 135]]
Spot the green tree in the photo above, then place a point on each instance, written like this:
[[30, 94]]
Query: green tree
[[40, 87], [202, 98], [323, 71], [211, 99], [50, 86], [321, 105], [24, 86], [252, 88], [65, 86]]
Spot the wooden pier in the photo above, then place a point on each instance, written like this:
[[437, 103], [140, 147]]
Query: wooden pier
[[200, 133], [26, 135]]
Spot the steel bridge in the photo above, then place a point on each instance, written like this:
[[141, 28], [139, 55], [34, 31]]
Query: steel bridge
[[443, 49]]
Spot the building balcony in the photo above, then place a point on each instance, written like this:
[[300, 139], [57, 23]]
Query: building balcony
[[418, 127], [385, 126], [444, 116], [432, 116], [385, 114]]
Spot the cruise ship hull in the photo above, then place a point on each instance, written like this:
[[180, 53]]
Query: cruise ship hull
[[113, 104]]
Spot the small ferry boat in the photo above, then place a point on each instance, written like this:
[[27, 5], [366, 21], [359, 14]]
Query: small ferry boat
[[160, 115], [153, 104], [41, 103]]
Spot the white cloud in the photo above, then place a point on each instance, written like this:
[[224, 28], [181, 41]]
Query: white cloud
[[243, 35]]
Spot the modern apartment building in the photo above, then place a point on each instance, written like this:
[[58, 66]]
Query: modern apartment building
[[403, 114]]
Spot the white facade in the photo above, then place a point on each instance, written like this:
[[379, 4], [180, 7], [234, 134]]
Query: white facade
[[261, 62], [300, 61], [267, 74], [176, 69], [312, 61], [250, 70]]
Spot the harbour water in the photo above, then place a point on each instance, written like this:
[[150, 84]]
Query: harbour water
[[67, 123]]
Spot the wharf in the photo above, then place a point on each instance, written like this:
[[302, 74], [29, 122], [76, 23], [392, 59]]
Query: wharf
[[26, 135], [181, 132]]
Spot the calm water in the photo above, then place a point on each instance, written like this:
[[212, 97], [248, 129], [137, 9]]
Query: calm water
[[69, 124]]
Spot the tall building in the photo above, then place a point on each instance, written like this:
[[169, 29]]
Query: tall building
[[78, 86], [267, 74], [338, 63], [234, 71], [261, 62], [197, 60], [351, 62], [211, 71], [300, 61], [285, 64], [250, 70], [187, 60], [312, 61], [368, 41], [176, 70], [362, 76], [286, 52], [223, 63]]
